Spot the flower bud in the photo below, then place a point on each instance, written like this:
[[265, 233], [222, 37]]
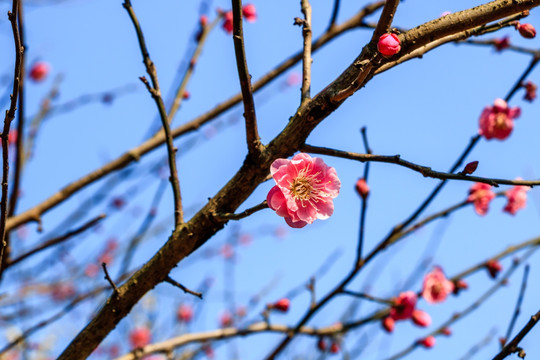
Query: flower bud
[[427, 342], [362, 188], [389, 45], [421, 318], [249, 12], [446, 331], [530, 91], [334, 348], [39, 71], [281, 305], [470, 168], [526, 30], [321, 344], [388, 324], [494, 267]]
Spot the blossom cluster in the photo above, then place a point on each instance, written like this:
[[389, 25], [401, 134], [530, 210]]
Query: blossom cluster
[[480, 195]]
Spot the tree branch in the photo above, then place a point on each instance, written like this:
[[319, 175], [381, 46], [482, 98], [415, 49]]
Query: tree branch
[[156, 95], [252, 134]]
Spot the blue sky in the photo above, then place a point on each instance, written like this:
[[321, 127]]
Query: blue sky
[[425, 110]]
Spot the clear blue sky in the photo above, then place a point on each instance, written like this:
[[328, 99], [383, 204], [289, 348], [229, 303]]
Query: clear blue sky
[[425, 110]]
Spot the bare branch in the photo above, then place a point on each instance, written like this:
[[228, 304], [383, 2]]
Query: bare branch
[[156, 95], [252, 134], [306, 59]]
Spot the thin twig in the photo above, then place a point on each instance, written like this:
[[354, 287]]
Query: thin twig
[[19, 158], [108, 278], [10, 115], [252, 134], [19, 145], [243, 214], [143, 228], [517, 309], [478, 346], [49, 243], [156, 95], [424, 170], [363, 200], [368, 297], [512, 346], [201, 40], [333, 18], [183, 288], [306, 59]]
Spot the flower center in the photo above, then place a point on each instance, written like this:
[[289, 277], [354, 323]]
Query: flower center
[[500, 121], [301, 188]]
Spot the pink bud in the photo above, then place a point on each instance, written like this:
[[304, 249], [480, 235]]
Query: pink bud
[[226, 319], [140, 337], [494, 267], [388, 45], [39, 71], [388, 324], [249, 12], [186, 95], [421, 318], [501, 43], [184, 313], [118, 203], [334, 348], [208, 351], [530, 91], [526, 30], [203, 20], [281, 305], [427, 342], [460, 285], [321, 344], [446, 331], [228, 22], [470, 167], [362, 188], [12, 137]]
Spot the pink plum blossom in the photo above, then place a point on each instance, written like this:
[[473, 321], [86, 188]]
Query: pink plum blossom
[[497, 121], [403, 306], [305, 189], [436, 286], [517, 198], [388, 45], [480, 195]]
